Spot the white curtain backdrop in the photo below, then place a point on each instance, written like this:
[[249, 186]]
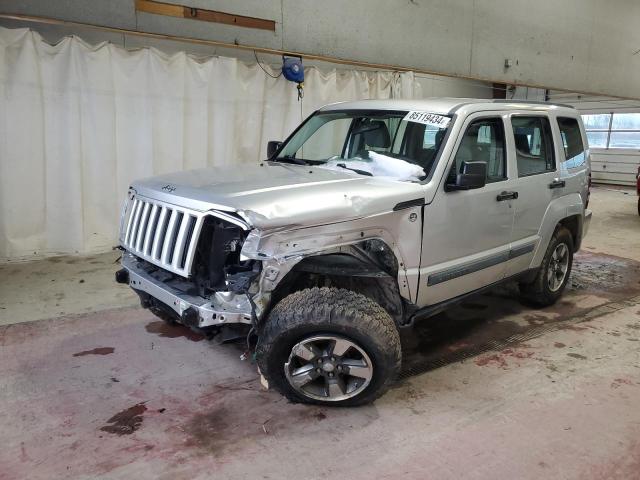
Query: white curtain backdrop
[[78, 122]]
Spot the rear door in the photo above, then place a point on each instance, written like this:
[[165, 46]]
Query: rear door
[[465, 244], [534, 141]]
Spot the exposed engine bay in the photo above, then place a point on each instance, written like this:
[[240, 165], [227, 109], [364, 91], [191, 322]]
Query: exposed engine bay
[[218, 264]]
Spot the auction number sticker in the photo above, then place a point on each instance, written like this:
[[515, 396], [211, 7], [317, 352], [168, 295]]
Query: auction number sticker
[[427, 118]]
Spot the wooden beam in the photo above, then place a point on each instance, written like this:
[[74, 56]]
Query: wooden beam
[[183, 11], [159, 8]]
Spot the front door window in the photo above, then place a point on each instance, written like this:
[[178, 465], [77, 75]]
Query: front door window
[[483, 141]]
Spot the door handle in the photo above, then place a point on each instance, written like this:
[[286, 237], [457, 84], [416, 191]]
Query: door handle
[[557, 184], [507, 196]]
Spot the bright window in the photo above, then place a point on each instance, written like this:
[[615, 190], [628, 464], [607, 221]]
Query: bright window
[[613, 130], [597, 139], [596, 122], [624, 139]]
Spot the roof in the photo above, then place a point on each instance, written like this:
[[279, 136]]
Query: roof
[[445, 106]]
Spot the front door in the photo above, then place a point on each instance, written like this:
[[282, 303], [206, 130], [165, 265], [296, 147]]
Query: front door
[[467, 234]]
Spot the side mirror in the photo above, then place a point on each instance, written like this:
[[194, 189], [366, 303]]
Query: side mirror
[[272, 148], [472, 175]]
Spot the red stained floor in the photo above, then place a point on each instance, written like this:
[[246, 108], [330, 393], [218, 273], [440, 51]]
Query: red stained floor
[[120, 394]]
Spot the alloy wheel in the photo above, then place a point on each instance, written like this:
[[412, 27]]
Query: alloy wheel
[[558, 267], [329, 368]]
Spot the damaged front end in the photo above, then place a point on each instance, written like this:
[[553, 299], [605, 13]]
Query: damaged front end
[[209, 269], [186, 265]]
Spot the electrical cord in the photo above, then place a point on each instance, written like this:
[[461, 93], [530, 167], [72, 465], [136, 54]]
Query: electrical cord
[[263, 69], [300, 85]]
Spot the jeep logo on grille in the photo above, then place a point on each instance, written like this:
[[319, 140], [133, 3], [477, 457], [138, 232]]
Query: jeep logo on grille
[[168, 188]]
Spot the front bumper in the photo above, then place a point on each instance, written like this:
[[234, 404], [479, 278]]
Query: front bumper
[[221, 309]]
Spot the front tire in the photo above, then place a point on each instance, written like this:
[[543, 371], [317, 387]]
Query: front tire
[[554, 271], [329, 346]]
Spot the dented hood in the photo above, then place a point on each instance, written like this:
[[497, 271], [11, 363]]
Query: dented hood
[[272, 195]]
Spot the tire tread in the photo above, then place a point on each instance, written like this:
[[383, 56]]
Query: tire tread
[[338, 308], [536, 292]]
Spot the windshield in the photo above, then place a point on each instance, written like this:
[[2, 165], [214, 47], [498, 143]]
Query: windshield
[[400, 145]]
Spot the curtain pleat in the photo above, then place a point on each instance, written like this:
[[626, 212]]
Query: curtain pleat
[[79, 122]]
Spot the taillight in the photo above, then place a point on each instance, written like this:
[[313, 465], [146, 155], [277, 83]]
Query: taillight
[[586, 204]]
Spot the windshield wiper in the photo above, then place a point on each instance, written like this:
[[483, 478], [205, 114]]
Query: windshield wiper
[[357, 170], [290, 159]]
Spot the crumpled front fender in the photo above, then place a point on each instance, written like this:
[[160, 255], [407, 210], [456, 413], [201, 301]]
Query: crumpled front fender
[[280, 250]]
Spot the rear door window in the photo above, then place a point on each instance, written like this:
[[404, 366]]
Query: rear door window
[[534, 145], [574, 154]]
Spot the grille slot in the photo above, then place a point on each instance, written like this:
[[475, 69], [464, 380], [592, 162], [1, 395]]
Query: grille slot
[[162, 234]]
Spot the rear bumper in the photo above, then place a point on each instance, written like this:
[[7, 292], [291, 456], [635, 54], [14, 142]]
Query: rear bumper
[[223, 308], [587, 221]]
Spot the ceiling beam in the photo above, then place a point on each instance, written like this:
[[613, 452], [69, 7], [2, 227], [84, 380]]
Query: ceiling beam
[[273, 51], [182, 11]]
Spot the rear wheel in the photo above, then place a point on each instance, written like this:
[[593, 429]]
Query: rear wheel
[[329, 346], [554, 271]]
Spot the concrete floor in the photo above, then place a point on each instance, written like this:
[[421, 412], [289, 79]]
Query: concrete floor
[[91, 385]]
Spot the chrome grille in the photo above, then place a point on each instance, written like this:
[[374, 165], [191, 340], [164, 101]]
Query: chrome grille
[[162, 234]]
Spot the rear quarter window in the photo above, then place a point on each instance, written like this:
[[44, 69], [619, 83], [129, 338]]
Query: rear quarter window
[[574, 154]]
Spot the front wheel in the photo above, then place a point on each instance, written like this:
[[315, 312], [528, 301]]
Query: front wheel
[[329, 346], [554, 271]]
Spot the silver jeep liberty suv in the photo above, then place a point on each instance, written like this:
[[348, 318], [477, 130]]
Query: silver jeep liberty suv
[[370, 216]]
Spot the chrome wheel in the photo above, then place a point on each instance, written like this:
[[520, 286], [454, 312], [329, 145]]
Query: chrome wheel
[[558, 267], [328, 368]]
